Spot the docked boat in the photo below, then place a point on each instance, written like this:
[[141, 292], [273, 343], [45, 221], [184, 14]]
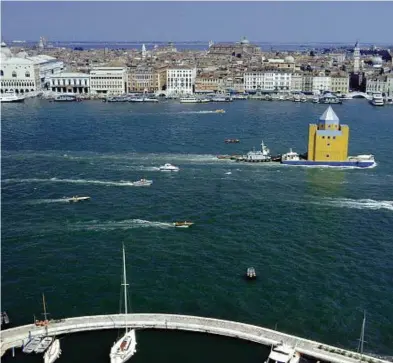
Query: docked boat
[[251, 274], [184, 224], [377, 99], [358, 161], [259, 156], [136, 99], [76, 199], [219, 111], [65, 98], [221, 99], [150, 99], [283, 353], [44, 344], [328, 98], [53, 352], [169, 167], [189, 99], [239, 97], [232, 141], [296, 98], [142, 183], [31, 345], [11, 96], [125, 347], [315, 99]]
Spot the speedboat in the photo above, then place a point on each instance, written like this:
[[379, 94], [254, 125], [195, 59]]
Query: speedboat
[[10, 96], [76, 199], [169, 167], [219, 111], [251, 274], [184, 224], [283, 353], [377, 99], [232, 141], [142, 183]]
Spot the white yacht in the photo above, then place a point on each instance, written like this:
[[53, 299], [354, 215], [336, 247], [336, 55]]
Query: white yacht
[[53, 352], [377, 99], [125, 347], [142, 183], [290, 156], [11, 96], [189, 99], [169, 167], [283, 353]]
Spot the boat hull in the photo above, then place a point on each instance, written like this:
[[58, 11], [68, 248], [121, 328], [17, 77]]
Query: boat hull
[[341, 164]]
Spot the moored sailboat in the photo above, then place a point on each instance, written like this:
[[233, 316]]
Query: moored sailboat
[[125, 347]]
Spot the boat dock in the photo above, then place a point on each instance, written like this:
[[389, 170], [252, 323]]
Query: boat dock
[[18, 336]]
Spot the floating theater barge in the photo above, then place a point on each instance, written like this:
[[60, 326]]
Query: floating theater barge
[[328, 146]]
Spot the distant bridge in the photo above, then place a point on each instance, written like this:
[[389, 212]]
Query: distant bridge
[[17, 337], [358, 94]]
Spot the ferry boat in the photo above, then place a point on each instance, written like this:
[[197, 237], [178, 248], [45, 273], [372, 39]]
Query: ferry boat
[[184, 224], [142, 183], [11, 96], [169, 167], [377, 99], [259, 156], [283, 353], [359, 161], [53, 352], [65, 98]]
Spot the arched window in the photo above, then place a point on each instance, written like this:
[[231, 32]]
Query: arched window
[[27, 74], [14, 74], [1, 73]]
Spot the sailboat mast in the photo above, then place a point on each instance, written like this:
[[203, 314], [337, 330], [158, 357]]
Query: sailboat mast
[[125, 286], [43, 302]]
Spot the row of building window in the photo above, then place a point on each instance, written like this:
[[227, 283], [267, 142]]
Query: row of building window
[[14, 74], [16, 84], [68, 82], [106, 77]]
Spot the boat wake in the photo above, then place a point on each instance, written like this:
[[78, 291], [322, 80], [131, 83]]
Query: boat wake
[[118, 225], [359, 203], [196, 112], [45, 201], [121, 183]]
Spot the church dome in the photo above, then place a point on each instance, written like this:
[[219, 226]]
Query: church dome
[[377, 60], [289, 59], [244, 41], [22, 54]]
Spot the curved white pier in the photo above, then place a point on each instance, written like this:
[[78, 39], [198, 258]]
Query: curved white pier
[[16, 337]]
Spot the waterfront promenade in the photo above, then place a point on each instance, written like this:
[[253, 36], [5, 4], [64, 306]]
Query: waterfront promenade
[[16, 337]]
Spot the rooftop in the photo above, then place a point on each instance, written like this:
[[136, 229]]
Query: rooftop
[[329, 116]]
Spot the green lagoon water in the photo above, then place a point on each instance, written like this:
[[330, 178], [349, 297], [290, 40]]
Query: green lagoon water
[[320, 239]]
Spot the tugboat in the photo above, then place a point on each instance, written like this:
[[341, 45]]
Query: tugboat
[[251, 274], [232, 141], [5, 321], [184, 224], [257, 156]]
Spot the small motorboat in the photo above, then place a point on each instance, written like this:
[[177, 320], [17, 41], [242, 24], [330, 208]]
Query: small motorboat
[[251, 274], [142, 183], [5, 321], [169, 167], [219, 111], [76, 199], [283, 353], [184, 224], [232, 141]]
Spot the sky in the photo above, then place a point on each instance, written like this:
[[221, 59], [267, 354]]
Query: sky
[[278, 21]]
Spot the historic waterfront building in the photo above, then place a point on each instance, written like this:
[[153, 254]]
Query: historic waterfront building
[[180, 80], [328, 140], [339, 84], [143, 79], [70, 83], [321, 83], [267, 81], [108, 80], [383, 84], [19, 75], [48, 66]]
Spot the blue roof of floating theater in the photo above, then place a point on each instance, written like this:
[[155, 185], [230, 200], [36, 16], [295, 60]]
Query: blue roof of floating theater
[[329, 117]]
